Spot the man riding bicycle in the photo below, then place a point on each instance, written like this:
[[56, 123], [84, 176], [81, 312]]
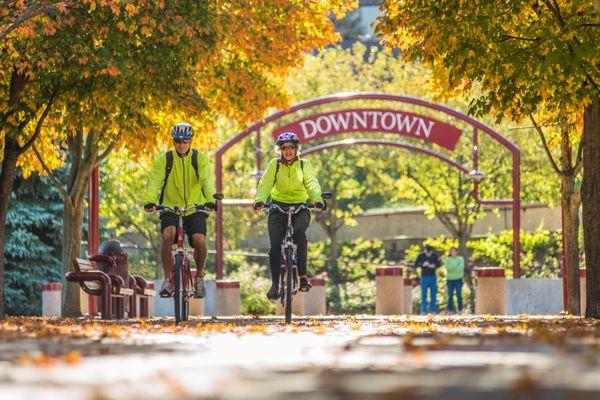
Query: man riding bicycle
[[288, 181], [181, 178]]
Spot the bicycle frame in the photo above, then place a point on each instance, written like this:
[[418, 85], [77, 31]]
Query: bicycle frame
[[289, 269], [181, 275]]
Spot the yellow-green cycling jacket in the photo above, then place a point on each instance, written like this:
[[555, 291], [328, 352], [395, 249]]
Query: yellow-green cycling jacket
[[293, 184], [183, 188]]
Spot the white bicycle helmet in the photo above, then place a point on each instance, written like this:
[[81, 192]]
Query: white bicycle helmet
[[287, 137], [182, 130]]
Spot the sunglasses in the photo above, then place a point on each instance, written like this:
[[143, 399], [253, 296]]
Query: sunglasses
[[290, 147], [181, 141]]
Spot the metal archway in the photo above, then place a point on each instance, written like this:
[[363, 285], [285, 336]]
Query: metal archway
[[342, 97]]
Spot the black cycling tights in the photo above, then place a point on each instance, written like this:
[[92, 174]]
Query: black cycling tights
[[277, 225]]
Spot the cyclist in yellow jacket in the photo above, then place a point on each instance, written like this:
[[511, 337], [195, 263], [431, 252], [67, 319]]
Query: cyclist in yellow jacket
[[288, 180], [182, 178]]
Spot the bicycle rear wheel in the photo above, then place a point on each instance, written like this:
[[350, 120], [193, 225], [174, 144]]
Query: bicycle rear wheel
[[178, 295], [288, 284]]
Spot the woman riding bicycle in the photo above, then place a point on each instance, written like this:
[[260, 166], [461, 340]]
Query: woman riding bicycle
[[288, 181]]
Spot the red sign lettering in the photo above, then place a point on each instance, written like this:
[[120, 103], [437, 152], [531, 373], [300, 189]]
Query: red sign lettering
[[374, 120]]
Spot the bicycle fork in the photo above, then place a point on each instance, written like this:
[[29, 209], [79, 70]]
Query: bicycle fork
[[294, 263]]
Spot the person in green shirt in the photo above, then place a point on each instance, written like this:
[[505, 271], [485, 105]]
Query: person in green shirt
[[288, 180], [455, 266]]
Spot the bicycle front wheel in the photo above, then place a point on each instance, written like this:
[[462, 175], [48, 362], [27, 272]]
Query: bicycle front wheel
[[289, 277], [178, 295]]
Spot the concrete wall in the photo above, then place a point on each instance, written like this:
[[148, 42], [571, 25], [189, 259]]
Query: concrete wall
[[411, 225], [534, 296]]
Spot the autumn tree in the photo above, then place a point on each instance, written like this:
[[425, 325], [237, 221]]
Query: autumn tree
[[15, 13], [397, 174], [535, 61], [143, 65]]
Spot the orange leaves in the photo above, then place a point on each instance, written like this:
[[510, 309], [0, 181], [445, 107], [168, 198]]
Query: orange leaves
[[131, 9], [112, 71], [49, 29]]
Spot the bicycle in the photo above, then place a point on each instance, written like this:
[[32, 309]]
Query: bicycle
[[181, 275], [289, 268]]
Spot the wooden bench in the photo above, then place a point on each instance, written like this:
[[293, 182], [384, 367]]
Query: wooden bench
[[144, 293], [111, 288], [141, 289]]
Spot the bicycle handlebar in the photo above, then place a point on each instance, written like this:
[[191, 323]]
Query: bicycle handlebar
[[297, 209], [182, 210]]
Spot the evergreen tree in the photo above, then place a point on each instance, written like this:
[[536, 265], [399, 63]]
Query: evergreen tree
[[33, 238]]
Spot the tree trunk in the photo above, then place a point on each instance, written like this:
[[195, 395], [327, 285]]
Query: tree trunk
[[332, 232], [590, 196], [462, 249], [7, 177], [71, 247], [570, 206]]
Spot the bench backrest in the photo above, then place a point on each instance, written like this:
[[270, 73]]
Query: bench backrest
[[82, 264]]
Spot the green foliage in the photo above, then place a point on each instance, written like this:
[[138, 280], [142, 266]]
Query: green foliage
[[32, 247], [351, 283], [254, 284], [540, 251], [121, 184], [441, 244], [144, 264], [356, 297]]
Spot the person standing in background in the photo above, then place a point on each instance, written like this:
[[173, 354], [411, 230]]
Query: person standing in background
[[455, 266], [428, 260]]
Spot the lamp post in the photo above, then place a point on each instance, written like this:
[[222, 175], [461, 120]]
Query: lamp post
[[477, 175]]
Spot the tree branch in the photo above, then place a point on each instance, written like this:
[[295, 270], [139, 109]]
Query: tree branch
[[38, 127], [579, 158], [110, 148], [442, 217], [55, 181], [545, 144], [32, 11], [509, 37]]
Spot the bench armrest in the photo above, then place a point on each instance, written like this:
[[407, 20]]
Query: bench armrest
[[117, 280], [141, 282], [105, 258], [85, 276]]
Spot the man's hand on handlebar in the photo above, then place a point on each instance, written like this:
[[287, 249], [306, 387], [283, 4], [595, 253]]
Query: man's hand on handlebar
[[150, 207]]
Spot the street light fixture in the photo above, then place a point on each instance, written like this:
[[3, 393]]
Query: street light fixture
[[477, 175]]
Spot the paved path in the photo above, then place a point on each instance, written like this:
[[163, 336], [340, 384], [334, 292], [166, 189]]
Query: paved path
[[329, 358]]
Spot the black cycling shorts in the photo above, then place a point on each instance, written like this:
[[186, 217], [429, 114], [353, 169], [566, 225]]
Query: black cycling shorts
[[192, 224]]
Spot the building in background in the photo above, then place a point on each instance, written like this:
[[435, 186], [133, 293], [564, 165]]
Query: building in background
[[359, 25]]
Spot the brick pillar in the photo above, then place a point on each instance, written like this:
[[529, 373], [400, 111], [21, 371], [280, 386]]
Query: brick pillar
[[228, 301], [491, 291], [51, 299], [151, 300], [315, 302], [582, 291], [196, 305], [408, 296], [389, 299]]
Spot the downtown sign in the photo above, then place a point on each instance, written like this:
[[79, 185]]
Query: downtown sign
[[396, 122]]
